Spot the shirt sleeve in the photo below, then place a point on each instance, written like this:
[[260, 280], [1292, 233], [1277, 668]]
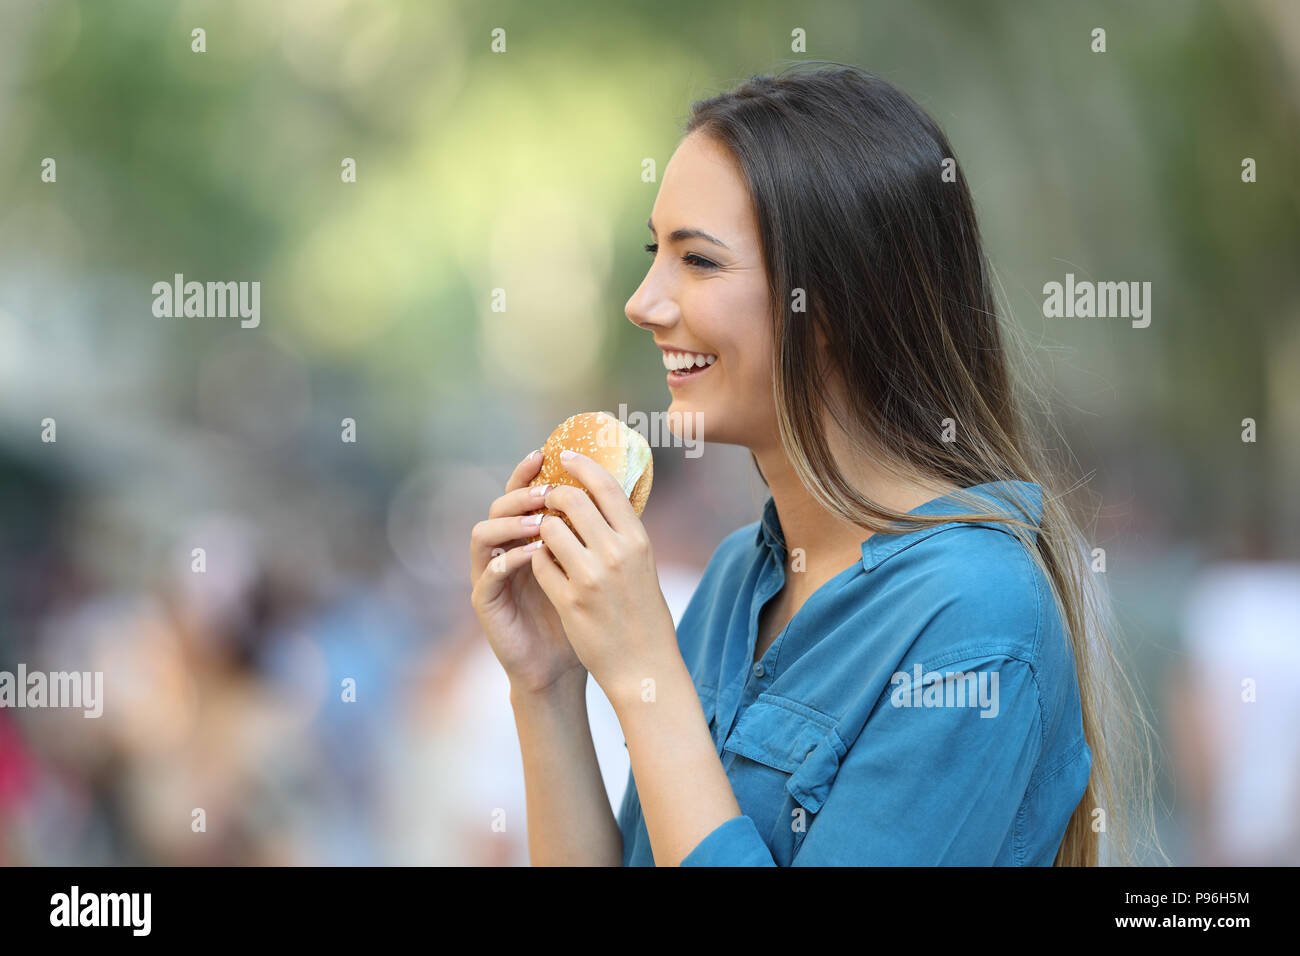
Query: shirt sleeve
[[921, 785]]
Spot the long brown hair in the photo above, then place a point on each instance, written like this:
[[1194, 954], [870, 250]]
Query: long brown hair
[[866, 221]]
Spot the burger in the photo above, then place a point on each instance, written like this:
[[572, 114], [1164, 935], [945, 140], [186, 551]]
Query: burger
[[606, 440]]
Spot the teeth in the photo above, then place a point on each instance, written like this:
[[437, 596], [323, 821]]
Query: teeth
[[683, 361]]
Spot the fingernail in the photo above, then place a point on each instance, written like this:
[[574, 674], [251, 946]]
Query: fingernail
[[534, 519], [532, 455], [566, 455], [538, 489], [534, 545]]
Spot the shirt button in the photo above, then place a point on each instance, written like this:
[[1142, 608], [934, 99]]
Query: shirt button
[[758, 670]]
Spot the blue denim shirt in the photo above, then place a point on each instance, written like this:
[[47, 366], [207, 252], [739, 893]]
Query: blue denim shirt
[[920, 708]]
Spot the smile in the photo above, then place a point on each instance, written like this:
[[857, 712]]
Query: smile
[[687, 361], [689, 373]]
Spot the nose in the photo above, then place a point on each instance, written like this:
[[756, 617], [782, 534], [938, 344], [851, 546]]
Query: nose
[[652, 305]]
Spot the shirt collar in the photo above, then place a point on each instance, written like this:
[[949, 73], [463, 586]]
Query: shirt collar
[[1022, 499], [769, 530]]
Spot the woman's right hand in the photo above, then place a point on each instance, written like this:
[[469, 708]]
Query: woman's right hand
[[521, 624]]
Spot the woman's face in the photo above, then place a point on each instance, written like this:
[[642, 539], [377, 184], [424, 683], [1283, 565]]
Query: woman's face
[[708, 298]]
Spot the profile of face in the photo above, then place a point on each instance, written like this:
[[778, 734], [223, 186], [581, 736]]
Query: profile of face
[[706, 294]]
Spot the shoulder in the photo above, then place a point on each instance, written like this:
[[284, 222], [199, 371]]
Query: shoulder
[[985, 602], [980, 591]]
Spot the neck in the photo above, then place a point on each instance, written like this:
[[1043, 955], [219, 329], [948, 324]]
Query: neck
[[828, 541]]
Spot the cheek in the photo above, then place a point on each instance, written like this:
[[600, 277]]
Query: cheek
[[749, 336], [743, 384], [751, 365], [740, 336]]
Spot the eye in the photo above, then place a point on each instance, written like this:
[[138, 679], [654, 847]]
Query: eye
[[691, 259]]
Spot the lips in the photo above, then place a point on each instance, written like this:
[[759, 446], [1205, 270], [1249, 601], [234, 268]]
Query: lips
[[676, 378]]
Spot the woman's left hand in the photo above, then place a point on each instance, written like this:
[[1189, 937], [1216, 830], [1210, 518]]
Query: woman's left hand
[[605, 587]]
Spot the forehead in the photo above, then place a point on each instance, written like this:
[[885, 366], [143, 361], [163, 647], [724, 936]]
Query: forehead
[[703, 187]]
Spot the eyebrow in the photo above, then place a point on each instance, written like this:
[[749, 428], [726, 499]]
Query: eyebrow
[[678, 235]]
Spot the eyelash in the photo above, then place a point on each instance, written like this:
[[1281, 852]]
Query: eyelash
[[690, 258]]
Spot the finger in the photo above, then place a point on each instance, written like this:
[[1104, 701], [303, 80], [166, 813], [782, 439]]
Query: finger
[[613, 504], [494, 534], [563, 545], [578, 507], [550, 576], [496, 576], [520, 501], [526, 470]]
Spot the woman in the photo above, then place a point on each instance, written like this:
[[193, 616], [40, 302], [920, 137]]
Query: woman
[[906, 661]]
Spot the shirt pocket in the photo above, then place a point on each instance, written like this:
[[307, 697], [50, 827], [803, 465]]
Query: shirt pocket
[[784, 758]]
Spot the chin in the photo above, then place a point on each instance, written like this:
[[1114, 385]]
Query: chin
[[696, 421]]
